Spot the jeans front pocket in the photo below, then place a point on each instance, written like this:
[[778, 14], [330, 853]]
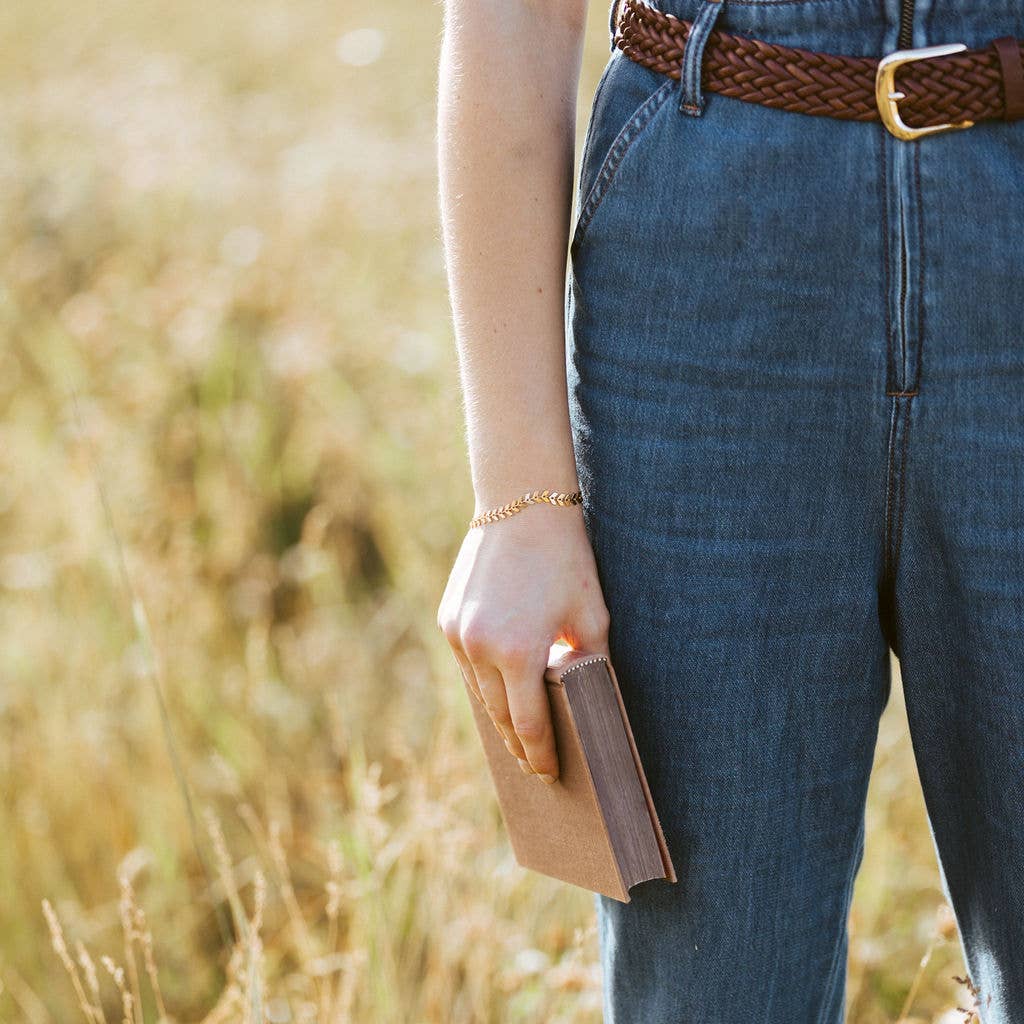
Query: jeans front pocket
[[627, 99]]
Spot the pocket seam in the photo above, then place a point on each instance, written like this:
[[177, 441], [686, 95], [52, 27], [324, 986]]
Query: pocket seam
[[606, 173], [588, 141]]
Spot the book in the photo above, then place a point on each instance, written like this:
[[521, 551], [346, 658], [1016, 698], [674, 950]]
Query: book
[[595, 826]]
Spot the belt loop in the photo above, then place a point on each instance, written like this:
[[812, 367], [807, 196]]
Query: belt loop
[[1008, 50], [613, 18], [692, 101]]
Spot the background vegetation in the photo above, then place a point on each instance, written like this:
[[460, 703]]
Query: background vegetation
[[232, 482]]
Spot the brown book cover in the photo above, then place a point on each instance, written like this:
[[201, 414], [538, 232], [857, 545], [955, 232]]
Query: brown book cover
[[595, 826]]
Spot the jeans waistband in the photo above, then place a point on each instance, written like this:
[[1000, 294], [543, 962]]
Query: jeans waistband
[[859, 26]]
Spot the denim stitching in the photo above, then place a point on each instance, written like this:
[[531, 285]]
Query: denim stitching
[[889, 480], [837, 971], [588, 141], [692, 101], [890, 374], [628, 134], [901, 501], [920, 268]]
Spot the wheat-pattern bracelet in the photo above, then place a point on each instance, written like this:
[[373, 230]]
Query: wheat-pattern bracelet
[[532, 498]]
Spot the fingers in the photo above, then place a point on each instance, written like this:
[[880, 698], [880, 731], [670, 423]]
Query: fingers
[[491, 694], [510, 675], [468, 674], [531, 712], [492, 697], [494, 690], [503, 662]]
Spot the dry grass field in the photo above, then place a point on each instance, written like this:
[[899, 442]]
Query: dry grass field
[[236, 760]]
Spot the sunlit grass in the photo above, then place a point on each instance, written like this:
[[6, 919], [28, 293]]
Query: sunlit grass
[[223, 313]]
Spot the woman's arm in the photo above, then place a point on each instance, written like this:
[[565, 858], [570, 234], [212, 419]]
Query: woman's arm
[[506, 140]]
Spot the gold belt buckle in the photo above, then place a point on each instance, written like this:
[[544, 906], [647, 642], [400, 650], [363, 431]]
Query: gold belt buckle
[[887, 97]]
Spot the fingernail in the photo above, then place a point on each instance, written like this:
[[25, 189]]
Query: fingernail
[[525, 765], [548, 778]]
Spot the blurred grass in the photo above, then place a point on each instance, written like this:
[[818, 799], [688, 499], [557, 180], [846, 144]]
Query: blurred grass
[[219, 232]]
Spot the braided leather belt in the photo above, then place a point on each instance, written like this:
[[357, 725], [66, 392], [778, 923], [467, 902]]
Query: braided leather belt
[[942, 87]]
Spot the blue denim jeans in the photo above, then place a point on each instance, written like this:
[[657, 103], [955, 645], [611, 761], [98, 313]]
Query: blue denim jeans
[[795, 354]]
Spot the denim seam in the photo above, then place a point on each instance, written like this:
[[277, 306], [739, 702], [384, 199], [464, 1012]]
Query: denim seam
[[895, 501], [883, 191], [901, 501], [916, 385], [837, 970], [588, 141], [628, 134], [890, 475]]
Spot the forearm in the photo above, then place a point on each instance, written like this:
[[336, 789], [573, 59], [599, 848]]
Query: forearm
[[506, 137]]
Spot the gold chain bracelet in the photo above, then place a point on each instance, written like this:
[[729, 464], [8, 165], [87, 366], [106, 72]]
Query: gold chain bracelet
[[534, 497]]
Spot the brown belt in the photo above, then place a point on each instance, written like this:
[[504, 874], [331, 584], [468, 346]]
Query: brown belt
[[940, 87]]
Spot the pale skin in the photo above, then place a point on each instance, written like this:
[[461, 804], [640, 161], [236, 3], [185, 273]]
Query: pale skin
[[508, 79]]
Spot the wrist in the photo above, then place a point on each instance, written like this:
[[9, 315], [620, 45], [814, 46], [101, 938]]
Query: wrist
[[500, 496], [498, 480], [546, 496]]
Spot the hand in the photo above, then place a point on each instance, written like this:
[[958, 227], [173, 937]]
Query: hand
[[518, 585]]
